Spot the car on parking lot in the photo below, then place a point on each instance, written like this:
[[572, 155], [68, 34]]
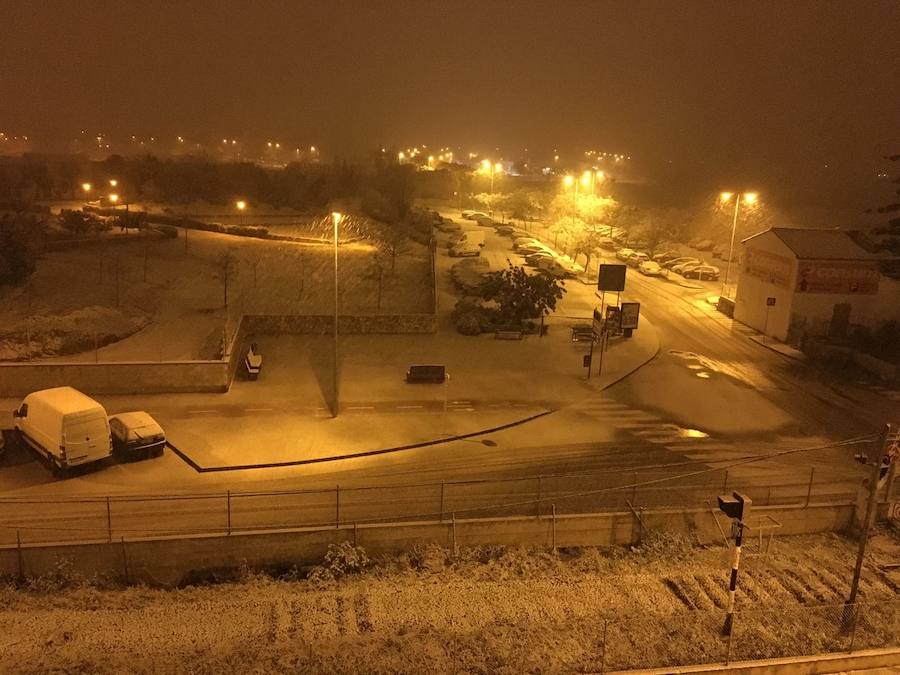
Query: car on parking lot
[[447, 225], [534, 248], [485, 221], [623, 253], [606, 243], [705, 245], [702, 272], [665, 256], [465, 249], [533, 258], [468, 214], [719, 251], [681, 268], [136, 435], [636, 258], [554, 267], [651, 269], [506, 230], [670, 264]]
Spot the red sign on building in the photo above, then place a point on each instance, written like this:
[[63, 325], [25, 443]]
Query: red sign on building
[[854, 277]]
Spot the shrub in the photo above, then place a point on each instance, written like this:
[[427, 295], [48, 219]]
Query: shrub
[[468, 323], [340, 560]]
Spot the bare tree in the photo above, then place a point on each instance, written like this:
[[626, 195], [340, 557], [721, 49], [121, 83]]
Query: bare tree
[[375, 272], [226, 270]]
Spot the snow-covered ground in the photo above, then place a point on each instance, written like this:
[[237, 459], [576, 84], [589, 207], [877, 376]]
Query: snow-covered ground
[[483, 610]]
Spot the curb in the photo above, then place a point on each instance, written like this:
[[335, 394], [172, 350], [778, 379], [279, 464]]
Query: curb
[[638, 366], [757, 340], [353, 455]]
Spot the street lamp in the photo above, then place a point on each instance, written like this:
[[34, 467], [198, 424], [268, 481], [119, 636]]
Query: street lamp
[[749, 199], [113, 182], [241, 205], [114, 198], [86, 187], [334, 373], [488, 168]]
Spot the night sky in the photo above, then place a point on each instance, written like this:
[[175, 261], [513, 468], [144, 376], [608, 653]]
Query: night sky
[[731, 87]]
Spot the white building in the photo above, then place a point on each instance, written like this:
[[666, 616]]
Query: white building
[[798, 282]]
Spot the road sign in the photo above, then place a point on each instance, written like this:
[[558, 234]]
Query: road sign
[[611, 278], [586, 361], [631, 312], [770, 302], [613, 319], [597, 323]]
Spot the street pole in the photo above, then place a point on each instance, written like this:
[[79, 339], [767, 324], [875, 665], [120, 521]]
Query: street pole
[[737, 204], [334, 374], [871, 507], [732, 585]]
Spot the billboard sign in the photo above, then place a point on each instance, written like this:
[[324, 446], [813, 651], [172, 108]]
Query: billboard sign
[[631, 312], [842, 277], [612, 278], [770, 267]]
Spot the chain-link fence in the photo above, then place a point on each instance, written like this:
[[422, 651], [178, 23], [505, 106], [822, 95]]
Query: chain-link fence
[[698, 637], [39, 519]]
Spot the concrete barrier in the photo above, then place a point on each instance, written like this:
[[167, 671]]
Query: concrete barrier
[[127, 377], [171, 560]]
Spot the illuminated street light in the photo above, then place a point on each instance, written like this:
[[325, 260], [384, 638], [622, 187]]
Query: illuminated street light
[[568, 181], [86, 187], [241, 205], [749, 199], [113, 182], [114, 198]]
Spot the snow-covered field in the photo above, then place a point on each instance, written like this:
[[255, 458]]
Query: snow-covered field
[[483, 610], [99, 295]]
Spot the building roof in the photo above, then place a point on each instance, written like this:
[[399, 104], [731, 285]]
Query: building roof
[[818, 244]]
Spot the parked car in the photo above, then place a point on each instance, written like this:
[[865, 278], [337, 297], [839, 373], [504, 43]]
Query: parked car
[[636, 258], [720, 251], [485, 221], [136, 435], [506, 230], [554, 267], [670, 264], [665, 256], [65, 426], [623, 253], [448, 225], [468, 214], [521, 242], [607, 244], [534, 248], [465, 249], [533, 258], [705, 245], [702, 272], [681, 268], [651, 269]]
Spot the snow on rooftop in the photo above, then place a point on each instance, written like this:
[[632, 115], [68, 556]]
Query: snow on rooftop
[[818, 244]]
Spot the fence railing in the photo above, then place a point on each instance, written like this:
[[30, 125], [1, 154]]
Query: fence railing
[[40, 520], [696, 638]]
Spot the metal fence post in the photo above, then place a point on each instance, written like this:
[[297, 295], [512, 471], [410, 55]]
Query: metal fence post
[[854, 621], [453, 533], [337, 506], [228, 508], [812, 472], [725, 483], [603, 653], [769, 496], [553, 525], [634, 488], [442, 501], [108, 521], [125, 563], [540, 491], [19, 554]]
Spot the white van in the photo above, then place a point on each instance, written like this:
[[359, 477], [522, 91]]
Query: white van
[[65, 426]]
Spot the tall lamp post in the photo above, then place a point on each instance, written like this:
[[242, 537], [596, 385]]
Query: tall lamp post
[[241, 206], [749, 199], [489, 168], [336, 217]]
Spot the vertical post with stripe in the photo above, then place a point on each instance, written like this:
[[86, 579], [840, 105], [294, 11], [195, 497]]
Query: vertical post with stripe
[[736, 507]]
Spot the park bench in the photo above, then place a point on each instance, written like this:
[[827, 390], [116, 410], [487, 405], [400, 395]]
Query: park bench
[[426, 375], [508, 334]]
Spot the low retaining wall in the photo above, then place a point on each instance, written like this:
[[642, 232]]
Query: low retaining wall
[[132, 377], [171, 560], [323, 324]]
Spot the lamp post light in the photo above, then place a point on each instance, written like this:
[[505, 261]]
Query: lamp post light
[[749, 199], [86, 187], [241, 206], [336, 217], [113, 182], [489, 168]]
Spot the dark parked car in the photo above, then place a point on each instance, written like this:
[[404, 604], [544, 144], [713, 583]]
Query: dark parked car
[[136, 434]]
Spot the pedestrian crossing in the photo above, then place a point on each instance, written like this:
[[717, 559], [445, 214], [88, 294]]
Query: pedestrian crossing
[[653, 429]]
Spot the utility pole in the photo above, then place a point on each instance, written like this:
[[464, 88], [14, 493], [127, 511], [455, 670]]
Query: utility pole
[[889, 437], [736, 507]]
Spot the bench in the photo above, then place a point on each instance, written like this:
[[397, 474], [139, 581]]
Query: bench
[[508, 334], [426, 375]]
